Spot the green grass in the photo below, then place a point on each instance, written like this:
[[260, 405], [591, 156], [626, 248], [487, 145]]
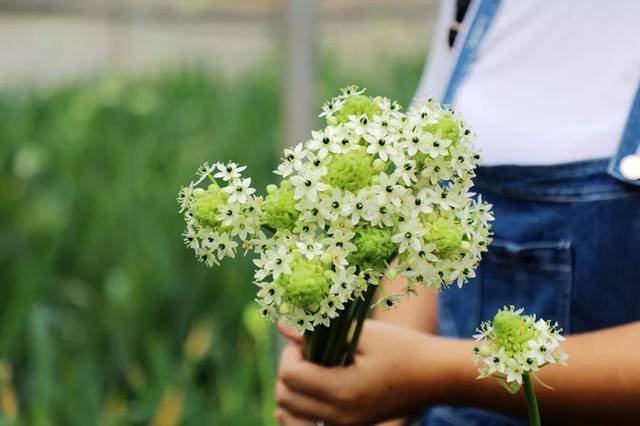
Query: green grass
[[98, 295]]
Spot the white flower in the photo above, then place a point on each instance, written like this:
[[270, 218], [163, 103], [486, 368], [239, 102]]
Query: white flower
[[406, 170], [239, 190], [438, 148], [309, 248], [185, 197], [381, 142], [422, 202], [229, 214], [322, 143], [270, 293], [332, 206], [343, 280], [357, 125], [205, 171], [541, 351], [415, 140], [278, 261], [337, 255], [229, 171], [307, 184], [242, 227], [409, 235], [292, 161], [225, 246], [352, 90], [388, 190], [496, 362], [340, 237], [380, 213], [330, 306], [330, 107], [358, 205]]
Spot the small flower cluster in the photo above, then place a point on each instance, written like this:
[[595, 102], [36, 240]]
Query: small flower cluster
[[514, 345], [215, 215], [375, 184]]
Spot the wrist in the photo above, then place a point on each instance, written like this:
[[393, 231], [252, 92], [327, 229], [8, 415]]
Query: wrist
[[446, 370]]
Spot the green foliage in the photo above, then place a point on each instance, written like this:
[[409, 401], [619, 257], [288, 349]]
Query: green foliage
[[106, 317]]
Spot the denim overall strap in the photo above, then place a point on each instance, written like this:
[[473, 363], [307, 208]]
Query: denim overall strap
[[485, 12], [630, 143]]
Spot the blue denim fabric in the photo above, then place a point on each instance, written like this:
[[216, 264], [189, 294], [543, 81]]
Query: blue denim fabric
[[630, 141], [483, 17], [566, 247]]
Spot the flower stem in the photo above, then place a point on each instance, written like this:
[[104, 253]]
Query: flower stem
[[340, 346], [532, 403], [361, 316]]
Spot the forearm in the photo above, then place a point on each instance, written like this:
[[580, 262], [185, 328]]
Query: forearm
[[601, 384], [418, 312]]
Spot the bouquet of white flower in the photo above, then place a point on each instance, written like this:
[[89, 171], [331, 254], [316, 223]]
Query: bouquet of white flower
[[375, 184]]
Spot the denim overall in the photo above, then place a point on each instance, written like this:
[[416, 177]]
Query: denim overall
[[566, 244]]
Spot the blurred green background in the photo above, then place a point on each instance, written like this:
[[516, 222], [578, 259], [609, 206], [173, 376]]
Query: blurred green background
[[105, 317]]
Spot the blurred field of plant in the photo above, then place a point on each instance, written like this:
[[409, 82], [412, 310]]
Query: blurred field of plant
[[106, 318]]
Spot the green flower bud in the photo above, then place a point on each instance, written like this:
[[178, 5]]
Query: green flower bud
[[205, 208], [279, 210], [284, 308], [484, 350], [374, 247], [379, 164], [271, 188], [307, 284], [357, 105], [511, 332], [447, 126], [350, 171], [391, 274], [447, 236]]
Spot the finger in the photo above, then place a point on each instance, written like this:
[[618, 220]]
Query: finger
[[308, 378], [290, 333], [303, 406], [285, 418]]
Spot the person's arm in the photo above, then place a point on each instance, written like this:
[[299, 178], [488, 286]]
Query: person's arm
[[399, 371], [418, 312]]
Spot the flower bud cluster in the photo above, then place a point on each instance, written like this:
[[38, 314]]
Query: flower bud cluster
[[513, 345]]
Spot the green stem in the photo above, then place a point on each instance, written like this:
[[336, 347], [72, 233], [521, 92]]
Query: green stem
[[333, 340], [313, 344], [361, 316], [532, 403], [340, 343]]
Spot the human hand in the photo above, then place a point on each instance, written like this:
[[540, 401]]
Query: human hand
[[396, 371]]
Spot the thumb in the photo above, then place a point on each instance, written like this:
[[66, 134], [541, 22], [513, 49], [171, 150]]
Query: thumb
[[290, 333]]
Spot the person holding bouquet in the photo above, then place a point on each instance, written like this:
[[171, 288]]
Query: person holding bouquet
[[552, 90]]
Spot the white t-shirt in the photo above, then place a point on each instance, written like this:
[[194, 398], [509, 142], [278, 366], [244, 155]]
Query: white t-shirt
[[553, 80]]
